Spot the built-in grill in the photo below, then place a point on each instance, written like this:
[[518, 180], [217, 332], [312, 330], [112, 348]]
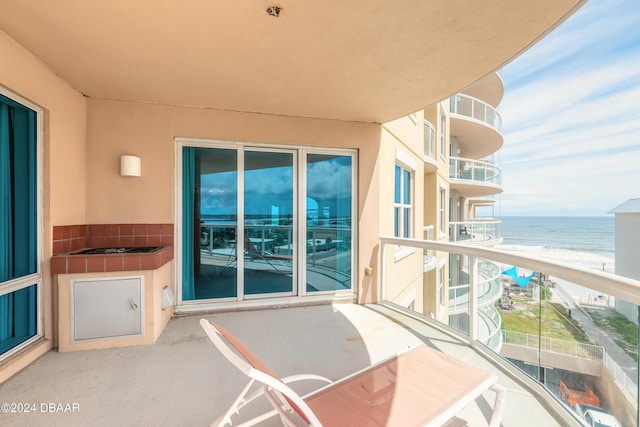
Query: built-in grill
[[126, 250]]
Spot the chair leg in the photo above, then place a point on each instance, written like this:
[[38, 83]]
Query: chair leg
[[498, 406], [234, 408]]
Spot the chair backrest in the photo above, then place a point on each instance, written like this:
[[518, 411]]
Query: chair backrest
[[251, 250], [247, 362]]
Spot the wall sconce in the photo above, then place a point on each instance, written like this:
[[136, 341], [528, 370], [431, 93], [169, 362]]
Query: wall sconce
[[130, 166]]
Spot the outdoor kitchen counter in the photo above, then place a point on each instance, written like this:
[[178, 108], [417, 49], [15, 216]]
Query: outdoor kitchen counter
[[76, 262]]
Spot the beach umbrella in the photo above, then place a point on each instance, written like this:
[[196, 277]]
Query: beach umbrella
[[522, 281]]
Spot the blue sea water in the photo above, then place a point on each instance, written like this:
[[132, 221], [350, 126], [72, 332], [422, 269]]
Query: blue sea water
[[588, 242]]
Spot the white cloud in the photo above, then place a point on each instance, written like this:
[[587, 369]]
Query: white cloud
[[571, 116]]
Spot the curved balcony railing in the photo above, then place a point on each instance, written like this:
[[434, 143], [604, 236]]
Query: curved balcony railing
[[473, 108], [537, 317], [493, 322], [429, 140], [489, 288], [485, 231], [480, 171]]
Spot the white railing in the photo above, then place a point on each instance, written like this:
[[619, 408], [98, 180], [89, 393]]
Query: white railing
[[429, 254], [472, 321], [474, 108], [489, 288], [554, 345], [429, 140], [480, 171], [476, 231], [493, 321], [621, 377]]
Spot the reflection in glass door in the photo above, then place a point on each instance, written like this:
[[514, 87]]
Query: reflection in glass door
[[269, 240], [209, 224], [241, 237], [238, 222], [329, 219]]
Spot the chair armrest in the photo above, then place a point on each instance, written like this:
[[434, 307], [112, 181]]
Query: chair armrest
[[302, 377]]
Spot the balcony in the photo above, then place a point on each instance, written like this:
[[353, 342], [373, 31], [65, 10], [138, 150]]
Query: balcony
[[474, 178], [489, 89], [430, 162], [595, 364], [178, 376], [479, 231], [476, 125]]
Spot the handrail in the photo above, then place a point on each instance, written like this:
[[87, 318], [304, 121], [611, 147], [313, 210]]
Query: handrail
[[611, 284], [474, 108]]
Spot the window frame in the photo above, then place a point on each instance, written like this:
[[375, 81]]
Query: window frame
[[35, 278]]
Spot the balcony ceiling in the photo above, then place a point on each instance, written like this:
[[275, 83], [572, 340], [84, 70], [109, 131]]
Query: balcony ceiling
[[362, 60]]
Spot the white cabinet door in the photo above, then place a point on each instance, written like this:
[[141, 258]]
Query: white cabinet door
[[107, 308]]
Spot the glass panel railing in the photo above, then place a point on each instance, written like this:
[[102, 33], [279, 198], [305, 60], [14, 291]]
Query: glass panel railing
[[560, 324], [474, 108], [482, 171], [485, 231], [429, 140]]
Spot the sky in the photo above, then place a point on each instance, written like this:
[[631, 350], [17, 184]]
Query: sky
[[571, 116]]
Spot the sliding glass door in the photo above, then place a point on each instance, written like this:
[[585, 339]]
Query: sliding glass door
[[269, 221], [19, 236], [242, 236]]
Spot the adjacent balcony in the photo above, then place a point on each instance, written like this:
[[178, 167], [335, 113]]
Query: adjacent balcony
[[474, 178], [479, 231], [476, 125], [489, 89], [489, 291], [430, 162], [550, 335]]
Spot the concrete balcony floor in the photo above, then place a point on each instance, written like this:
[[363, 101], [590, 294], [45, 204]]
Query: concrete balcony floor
[[183, 380]]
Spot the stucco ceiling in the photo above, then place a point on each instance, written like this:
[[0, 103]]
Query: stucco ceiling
[[359, 60]]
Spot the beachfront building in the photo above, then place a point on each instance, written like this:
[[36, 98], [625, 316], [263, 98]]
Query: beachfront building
[[627, 250], [158, 161]]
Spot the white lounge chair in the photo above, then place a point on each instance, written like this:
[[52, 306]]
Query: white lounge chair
[[421, 386]]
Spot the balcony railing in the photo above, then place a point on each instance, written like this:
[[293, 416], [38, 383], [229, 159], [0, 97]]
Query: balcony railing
[[429, 254], [545, 321], [489, 288], [479, 171], [479, 231], [429, 140], [473, 108]]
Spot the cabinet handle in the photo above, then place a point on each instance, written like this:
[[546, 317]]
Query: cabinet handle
[[133, 304]]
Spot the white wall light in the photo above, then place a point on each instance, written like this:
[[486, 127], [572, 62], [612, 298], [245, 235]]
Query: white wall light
[[130, 166]]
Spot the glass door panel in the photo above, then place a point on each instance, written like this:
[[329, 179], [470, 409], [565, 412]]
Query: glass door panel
[[329, 219], [210, 212], [269, 239]]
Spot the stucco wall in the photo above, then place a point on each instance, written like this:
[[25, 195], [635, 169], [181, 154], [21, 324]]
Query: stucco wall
[[148, 131], [63, 176]]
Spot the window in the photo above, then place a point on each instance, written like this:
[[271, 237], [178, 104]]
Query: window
[[19, 263], [443, 199], [443, 124], [402, 219]]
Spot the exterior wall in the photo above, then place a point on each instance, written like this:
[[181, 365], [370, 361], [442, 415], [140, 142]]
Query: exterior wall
[[433, 183], [148, 131], [402, 143], [64, 170], [627, 250]]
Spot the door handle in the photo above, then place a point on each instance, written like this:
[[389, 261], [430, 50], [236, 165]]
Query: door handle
[[133, 304]]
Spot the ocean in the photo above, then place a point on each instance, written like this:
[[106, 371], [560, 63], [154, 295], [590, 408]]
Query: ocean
[[587, 242]]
